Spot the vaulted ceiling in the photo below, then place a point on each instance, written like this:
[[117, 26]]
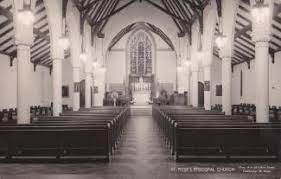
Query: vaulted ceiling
[[98, 13]]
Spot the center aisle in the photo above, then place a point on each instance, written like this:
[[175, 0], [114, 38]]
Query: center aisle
[[142, 150]]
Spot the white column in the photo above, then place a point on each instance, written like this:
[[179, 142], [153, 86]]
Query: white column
[[226, 85], [180, 83], [195, 76], [54, 13], [207, 90], [261, 36], [88, 84], [262, 81], [187, 84], [57, 86], [100, 83], [24, 69], [76, 92]]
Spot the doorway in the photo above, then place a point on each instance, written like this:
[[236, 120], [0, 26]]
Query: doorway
[[200, 94]]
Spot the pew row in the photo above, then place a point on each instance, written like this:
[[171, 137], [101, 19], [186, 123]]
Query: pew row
[[68, 136], [202, 136]]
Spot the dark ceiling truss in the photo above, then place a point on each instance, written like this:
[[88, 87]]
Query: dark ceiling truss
[[243, 43], [183, 12], [148, 26], [41, 42], [159, 32], [123, 32]]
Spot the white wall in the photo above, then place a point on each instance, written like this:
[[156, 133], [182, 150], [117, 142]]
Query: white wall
[[216, 73], [41, 88], [249, 82], [67, 80]]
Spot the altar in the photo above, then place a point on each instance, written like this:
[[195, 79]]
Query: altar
[[141, 90], [141, 97]]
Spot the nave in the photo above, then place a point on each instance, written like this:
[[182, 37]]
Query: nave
[[141, 153]]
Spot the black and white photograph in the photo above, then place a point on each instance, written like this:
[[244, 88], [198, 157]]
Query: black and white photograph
[[140, 89]]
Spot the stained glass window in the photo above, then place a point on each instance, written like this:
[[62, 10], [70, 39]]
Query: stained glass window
[[141, 54]]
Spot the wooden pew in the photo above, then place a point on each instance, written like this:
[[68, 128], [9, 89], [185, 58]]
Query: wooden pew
[[89, 135], [217, 136], [228, 141], [58, 142]]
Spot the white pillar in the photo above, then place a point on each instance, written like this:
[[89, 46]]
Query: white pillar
[[180, 81], [226, 85], [261, 36], [57, 86], [195, 76], [187, 84], [207, 89], [262, 81], [76, 92], [24, 70], [54, 13], [88, 84], [23, 40]]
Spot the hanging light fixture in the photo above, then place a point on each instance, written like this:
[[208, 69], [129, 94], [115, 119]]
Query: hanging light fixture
[[200, 52], [221, 39], [25, 15], [83, 56], [200, 55], [64, 41], [180, 69], [260, 11], [102, 69], [96, 64], [187, 63]]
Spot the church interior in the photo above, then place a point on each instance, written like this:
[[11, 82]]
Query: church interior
[[140, 89]]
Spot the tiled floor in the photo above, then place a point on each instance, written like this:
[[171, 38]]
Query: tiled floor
[[141, 154]]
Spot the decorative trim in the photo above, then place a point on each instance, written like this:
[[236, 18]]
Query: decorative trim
[[118, 50], [164, 50], [158, 50]]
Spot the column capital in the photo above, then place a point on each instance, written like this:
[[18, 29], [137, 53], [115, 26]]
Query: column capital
[[23, 46], [208, 65], [225, 53], [194, 68], [261, 31], [226, 58], [76, 67], [261, 36], [57, 59]]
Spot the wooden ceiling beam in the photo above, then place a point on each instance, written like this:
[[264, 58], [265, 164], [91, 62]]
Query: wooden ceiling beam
[[176, 21], [109, 12], [114, 12], [90, 5], [165, 11]]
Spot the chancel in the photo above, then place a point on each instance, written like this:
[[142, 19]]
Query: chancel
[[140, 89]]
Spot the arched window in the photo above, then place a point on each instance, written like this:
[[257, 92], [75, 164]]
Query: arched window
[[141, 54]]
